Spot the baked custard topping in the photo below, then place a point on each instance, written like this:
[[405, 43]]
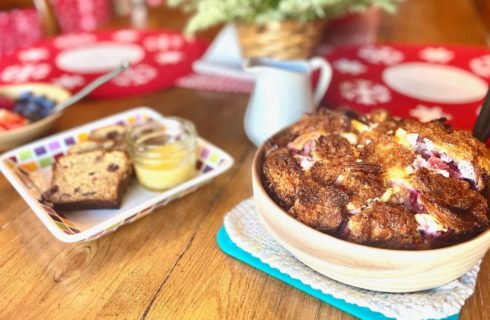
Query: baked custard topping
[[378, 180]]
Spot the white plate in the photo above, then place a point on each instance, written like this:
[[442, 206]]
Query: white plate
[[21, 165]]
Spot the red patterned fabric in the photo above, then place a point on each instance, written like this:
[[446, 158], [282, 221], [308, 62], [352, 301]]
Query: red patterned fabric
[[82, 15], [423, 82], [159, 58], [19, 28]]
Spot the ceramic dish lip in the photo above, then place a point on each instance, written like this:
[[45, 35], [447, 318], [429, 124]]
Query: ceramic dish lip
[[256, 177], [40, 212]]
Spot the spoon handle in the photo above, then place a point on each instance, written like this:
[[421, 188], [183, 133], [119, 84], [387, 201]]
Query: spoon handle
[[91, 87]]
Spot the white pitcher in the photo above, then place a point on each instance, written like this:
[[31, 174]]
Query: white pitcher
[[282, 94]]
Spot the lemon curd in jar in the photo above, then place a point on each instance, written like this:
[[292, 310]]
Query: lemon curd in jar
[[164, 154]]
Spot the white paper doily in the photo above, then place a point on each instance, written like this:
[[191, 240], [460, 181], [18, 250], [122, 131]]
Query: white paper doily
[[246, 230]]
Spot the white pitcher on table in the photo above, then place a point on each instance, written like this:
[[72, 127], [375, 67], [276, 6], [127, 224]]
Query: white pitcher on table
[[282, 94]]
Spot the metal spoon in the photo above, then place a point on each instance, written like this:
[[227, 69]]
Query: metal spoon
[[91, 87]]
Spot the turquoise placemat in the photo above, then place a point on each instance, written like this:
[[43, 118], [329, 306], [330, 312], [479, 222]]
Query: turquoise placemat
[[230, 248]]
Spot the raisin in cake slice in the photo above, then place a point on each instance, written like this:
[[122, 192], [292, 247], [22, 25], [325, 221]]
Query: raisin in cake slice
[[91, 180]]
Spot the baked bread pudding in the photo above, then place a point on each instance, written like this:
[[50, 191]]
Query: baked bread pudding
[[379, 180]]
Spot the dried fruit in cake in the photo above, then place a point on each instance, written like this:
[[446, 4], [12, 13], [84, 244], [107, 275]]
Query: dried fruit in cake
[[90, 180], [112, 132], [379, 180]]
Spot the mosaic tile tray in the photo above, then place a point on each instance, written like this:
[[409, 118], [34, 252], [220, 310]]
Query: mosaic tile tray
[[35, 159]]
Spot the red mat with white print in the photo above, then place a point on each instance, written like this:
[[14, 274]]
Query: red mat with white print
[[159, 58], [423, 82]]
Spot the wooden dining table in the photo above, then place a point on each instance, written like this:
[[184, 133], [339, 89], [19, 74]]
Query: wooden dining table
[[168, 265]]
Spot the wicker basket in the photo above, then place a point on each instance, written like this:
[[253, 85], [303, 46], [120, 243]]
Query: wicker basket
[[280, 40]]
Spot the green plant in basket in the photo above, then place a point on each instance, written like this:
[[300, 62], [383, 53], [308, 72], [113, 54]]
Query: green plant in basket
[[261, 12]]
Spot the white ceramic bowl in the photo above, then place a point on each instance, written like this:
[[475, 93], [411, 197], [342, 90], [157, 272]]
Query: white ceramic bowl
[[16, 137], [363, 266]]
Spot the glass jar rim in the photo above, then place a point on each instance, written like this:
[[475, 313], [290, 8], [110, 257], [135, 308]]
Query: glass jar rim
[[171, 131]]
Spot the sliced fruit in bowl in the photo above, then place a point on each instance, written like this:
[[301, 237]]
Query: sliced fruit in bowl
[[10, 120], [25, 112]]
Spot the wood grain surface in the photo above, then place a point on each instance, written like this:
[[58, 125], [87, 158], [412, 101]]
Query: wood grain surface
[[167, 265]]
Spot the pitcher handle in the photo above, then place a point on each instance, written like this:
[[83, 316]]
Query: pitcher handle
[[324, 80]]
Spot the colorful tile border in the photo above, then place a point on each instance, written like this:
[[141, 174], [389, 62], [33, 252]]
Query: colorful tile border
[[41, 156]]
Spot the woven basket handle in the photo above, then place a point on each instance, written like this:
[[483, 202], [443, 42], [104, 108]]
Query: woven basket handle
[[325, 77]]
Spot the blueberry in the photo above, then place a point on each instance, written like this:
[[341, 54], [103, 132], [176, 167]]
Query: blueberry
[[47, 104], [25, 95], [38, 100], [32, 106], [50, 104], [19, 107]]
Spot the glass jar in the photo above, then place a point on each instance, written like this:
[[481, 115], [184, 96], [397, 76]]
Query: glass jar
[[164, 154]]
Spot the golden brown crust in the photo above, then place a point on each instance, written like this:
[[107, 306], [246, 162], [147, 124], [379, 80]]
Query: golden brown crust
[[333, 146], [319, 206], [363, 182], [384, 225], [324, 122], [378, 180], [388, 153], [326, 172], [460, 145], [453, 202], [282, 176]]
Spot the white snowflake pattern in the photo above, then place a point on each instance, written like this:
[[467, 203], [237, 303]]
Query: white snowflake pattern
[[349, 66], [126, 35], [481, 65], [380, 55], [436, 55], [137, 75], [26, 72], [69, 81], [74, 40], [33, 54], [364, 92], [169, 57], [163, 42], [425, 114]]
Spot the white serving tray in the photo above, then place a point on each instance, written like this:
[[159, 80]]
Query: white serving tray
[[33, 161]]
